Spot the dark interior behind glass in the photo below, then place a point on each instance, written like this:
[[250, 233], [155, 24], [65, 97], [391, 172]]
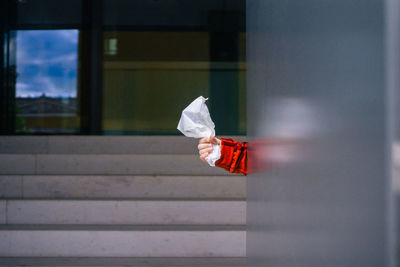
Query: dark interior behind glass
[[120, 67]]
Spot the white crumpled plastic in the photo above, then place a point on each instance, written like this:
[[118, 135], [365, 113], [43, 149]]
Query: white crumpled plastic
[[196, 122]]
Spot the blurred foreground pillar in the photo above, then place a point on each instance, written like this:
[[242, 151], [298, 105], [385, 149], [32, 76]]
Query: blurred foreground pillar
[[322, 91]]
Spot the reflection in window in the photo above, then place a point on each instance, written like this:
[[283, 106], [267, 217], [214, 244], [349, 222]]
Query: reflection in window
[[151, 76], [46, 86]]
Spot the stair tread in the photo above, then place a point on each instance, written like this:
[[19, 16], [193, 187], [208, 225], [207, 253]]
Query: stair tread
[[106, 164], [118, 227], [125, 212], [121, 187], [173, 241], [149, 199], [123, 261], [100, 144]]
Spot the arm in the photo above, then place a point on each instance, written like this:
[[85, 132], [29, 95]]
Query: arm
[[233, 154]]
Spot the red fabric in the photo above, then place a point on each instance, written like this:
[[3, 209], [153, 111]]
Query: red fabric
[[233, 156]]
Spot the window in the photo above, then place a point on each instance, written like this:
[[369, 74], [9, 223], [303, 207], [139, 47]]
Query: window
[[46, 82], [121, 67]]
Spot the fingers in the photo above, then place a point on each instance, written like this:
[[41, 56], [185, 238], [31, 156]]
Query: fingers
[[205, 146], [204, 152], [205, 149], [203, 157], [214, 140], [211, 139], [204, 140]]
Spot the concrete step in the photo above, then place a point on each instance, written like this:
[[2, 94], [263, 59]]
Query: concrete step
[[122, 241], [123, 261], [90, 164], [100, 144], [122, 187], [125, 212], [3, 212]]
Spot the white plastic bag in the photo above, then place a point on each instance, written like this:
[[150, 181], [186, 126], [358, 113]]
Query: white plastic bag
[[196, 122]]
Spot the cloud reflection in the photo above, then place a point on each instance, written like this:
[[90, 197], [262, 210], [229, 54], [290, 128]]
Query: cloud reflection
[[47, 63]]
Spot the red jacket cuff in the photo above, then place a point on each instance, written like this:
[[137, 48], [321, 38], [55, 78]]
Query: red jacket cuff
[[233, 156]]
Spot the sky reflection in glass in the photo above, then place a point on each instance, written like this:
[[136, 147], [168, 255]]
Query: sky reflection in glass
[[47, 63]]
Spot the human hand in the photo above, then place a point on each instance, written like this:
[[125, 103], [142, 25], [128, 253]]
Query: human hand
[[205, 146]]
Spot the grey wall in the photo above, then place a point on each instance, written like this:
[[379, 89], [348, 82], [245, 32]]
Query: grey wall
[[393, 93], [319, 126]]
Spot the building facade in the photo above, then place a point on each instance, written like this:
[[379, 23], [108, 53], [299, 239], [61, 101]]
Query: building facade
[[120, 67]]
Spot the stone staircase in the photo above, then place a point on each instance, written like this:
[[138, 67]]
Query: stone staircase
[[117, 201]]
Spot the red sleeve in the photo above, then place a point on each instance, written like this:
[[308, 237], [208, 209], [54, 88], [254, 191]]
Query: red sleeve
[[233, 156]]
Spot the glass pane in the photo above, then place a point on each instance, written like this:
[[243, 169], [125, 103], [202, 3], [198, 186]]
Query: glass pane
[[38, 13], [149, 77], [242, 84], [160, 55], [140, 63], [46, 85]]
